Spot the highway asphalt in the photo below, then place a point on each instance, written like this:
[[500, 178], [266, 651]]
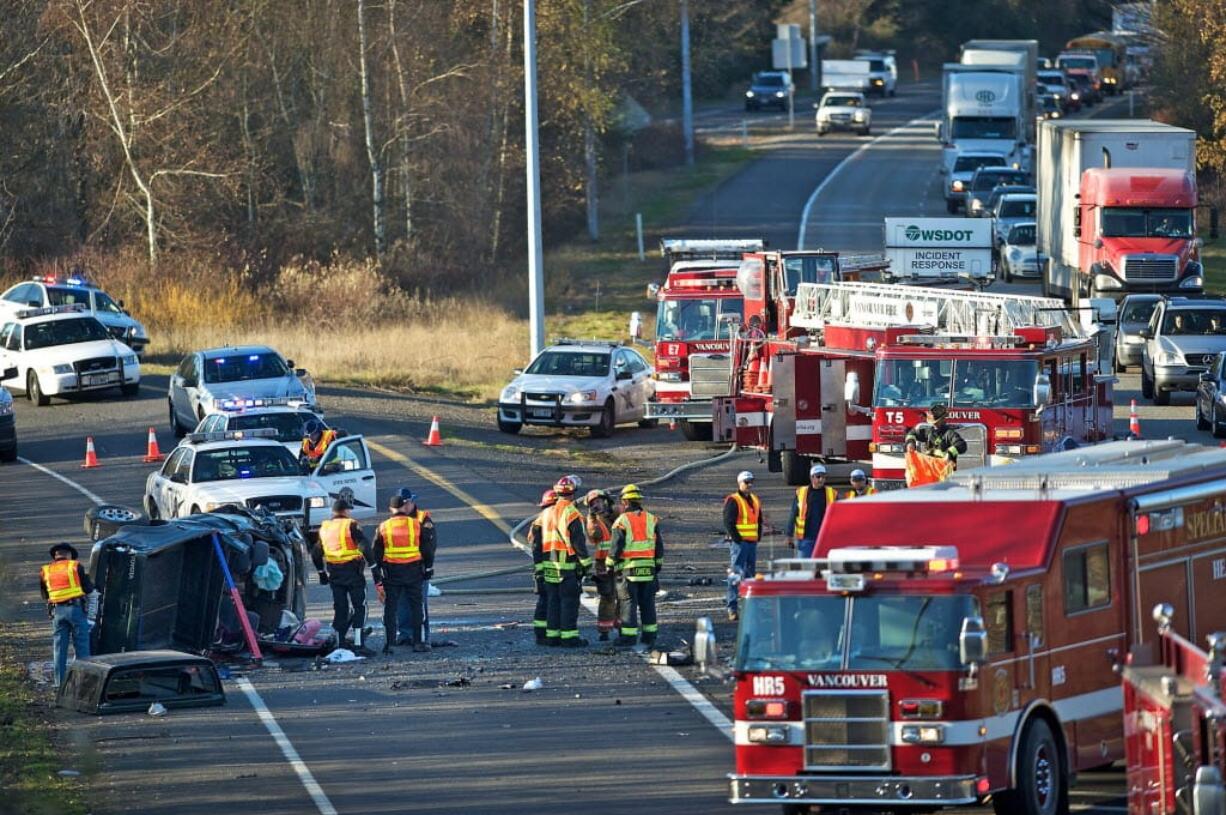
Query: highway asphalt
[[607, 733]]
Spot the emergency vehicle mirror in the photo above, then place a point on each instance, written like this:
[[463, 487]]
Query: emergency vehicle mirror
[[851, 388], [34, 303], [517, 371], [300, 372], [1042, 390], [973, 641]]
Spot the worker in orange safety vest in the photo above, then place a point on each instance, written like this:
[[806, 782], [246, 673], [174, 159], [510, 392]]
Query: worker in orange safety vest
[[536, 541], [403, 555], [64, 586], [859, 485], [743, 528], [340, 557], [315, 443], [636, 557], [565, 563], [809, 510]]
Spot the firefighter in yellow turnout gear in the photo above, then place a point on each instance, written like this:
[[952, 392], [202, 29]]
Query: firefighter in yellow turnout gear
[[565, 562], [600, 516], [536, 545], [636, 557]]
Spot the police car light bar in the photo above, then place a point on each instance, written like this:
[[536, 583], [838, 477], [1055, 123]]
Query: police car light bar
[[860, 559], [271, 401], [231, 435], [42, 312]]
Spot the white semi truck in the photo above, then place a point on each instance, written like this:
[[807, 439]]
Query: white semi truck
[[983, 111], [1010, 52]]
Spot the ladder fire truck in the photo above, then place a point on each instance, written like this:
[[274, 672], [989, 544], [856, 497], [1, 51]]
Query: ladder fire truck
[[1021, 375], [1175, 723], [960, 642], [701, 307]]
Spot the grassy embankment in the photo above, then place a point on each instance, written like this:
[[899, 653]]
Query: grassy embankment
[[333, 318], [1213, 256]]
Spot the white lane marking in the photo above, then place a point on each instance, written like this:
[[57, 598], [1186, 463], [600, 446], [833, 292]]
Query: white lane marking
[[64, 479], [683, 688], [291, 755], [830, 176], [1096, 808], [287, 749]]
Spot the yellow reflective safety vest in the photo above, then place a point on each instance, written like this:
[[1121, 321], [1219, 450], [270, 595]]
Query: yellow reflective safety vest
[[802, 507], [748, 513], [336, 538], [559, 553], [853, 494], [638, 559], [62, 581], [314, 452], [401, 539]]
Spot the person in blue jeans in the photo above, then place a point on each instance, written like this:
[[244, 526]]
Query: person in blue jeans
[[809, 510], [404, 609], [743, 527], [64, 586]]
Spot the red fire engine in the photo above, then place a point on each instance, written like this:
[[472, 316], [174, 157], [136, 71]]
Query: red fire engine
[[1175, 721], [697, 308], [960, 642], [1019, 373]]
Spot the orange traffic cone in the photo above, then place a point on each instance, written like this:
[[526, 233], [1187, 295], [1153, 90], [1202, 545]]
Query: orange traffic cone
[[672, 424], [1134, 421], [152, 453], [91, 457], [435, 439]]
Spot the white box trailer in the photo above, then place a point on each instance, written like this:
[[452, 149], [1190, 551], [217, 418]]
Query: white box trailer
[[847, 75], [1066, 149], [1029, 49], [983, 112], [924, 250]]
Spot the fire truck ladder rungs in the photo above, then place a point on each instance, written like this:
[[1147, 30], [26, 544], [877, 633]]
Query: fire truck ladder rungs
[[951, 312]]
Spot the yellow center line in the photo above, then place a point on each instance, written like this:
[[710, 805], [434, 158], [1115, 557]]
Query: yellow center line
[[484, 510]]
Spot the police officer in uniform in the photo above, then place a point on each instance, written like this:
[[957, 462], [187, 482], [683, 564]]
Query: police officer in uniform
[[340, 557], [565, 562], [536, 543], [406, 611], [64, 586], [743, 527], [859, 485], [314, 444], [936, 437], [809, 510], [636, 556], [403, 555]]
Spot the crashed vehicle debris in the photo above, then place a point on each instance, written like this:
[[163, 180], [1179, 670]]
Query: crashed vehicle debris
[[162, 586], [131, 682]]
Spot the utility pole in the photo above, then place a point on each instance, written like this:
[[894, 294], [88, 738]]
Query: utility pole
[[532, 150], [687, 98], [814, 68]]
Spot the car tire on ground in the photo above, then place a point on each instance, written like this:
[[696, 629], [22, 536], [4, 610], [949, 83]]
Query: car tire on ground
[[608, 420], [151, 508], [1201, 422], [105, 520], [509, 427], [795, 468], [649, 423], [951, 207], [696, 431], [1006, 273], [10, 455], [1161, 398], [1044, 789], [866, 131], [34, 391], [1216, 425], [175, 427], [1120, 367], [1147, 385], [130, 389]]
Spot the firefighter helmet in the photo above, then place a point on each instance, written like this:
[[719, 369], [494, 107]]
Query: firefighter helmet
[[631, 492], [595, 495], [548, 498], [566, 485]]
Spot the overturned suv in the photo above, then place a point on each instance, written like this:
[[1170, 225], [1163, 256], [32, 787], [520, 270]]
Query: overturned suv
[[162, 585]]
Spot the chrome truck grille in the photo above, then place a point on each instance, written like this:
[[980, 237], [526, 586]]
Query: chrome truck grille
[[710, 375], [1150, 268], [847, 730], [977, 453]]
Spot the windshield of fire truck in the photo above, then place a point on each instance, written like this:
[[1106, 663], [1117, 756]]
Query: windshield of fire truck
[[693, 320], [812, 269], [1002, 383], [906, 632]]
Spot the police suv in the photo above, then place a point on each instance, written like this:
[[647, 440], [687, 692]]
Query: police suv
[[46, 290], [253, 469], [287, 417], [62, 350]]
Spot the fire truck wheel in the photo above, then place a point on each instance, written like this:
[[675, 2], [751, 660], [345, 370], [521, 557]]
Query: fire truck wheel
[[509, 427], [608, 420], [795, 468], [696, 431], [1044, 789]]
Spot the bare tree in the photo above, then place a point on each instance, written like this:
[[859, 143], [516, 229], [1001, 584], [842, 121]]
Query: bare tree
[[379, 217]]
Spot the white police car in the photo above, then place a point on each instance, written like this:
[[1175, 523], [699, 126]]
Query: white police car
[[287, 417], [573, 383], [251, 468], [63, 350], [205, 379], [45, 290]]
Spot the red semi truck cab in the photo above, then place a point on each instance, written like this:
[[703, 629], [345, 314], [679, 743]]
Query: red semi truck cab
[[961, 641], [1175, 723], [1009, 396], [697, 310], [1136, 230]]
